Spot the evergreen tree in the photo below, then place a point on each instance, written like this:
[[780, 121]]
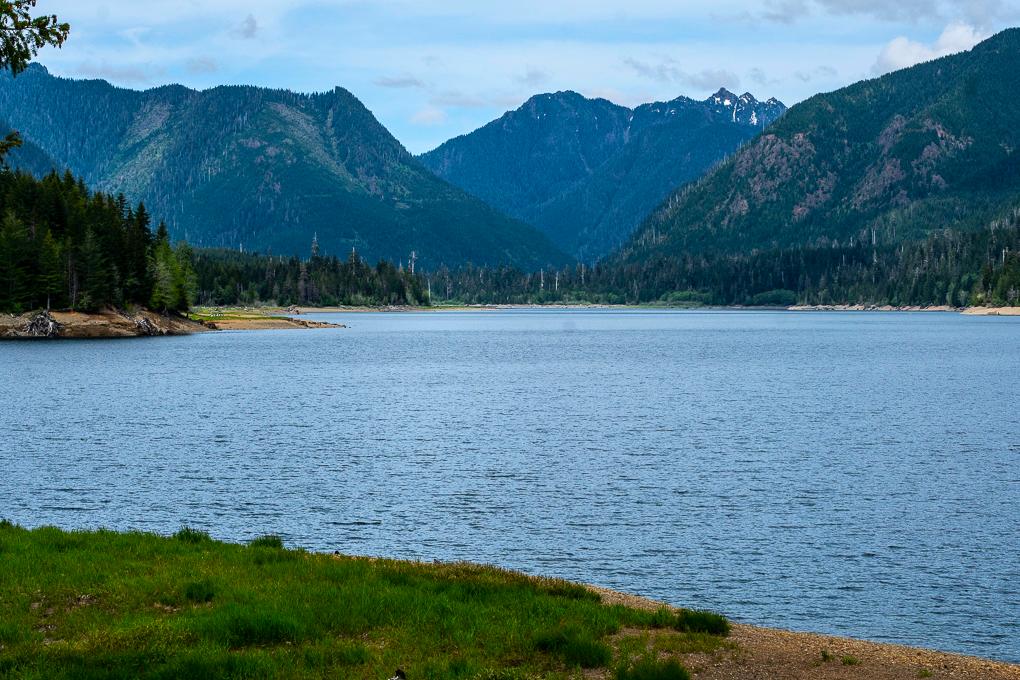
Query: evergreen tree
[[166, 278], [14, 270], [186, 283], [51, 270], [96, 274]]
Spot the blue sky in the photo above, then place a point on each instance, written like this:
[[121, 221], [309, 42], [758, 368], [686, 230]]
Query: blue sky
[[434, 69]]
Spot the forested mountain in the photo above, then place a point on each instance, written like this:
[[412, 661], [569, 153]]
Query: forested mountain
[[587, 171], [262, 169], [931, 147]]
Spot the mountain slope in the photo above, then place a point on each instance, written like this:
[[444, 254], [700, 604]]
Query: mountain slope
[[587, 171], [929, 147], [27, 157], [264, 169]]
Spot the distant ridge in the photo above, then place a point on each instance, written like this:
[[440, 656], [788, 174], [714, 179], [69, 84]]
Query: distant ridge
[[587, 171], [931, 147], [263, 170]]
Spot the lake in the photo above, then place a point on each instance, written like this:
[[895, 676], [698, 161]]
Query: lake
[[845, 473]]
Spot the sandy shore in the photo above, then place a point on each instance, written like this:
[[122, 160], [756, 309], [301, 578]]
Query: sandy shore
[[769, 654], [993, 311]]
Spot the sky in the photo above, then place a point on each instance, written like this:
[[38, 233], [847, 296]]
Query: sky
[[434, 69]]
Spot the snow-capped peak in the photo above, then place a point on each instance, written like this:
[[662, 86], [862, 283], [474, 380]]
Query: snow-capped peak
[[745, 109], [724, 97]]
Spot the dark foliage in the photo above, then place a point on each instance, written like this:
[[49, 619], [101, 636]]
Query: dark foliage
[[63, 246], [22, 35]]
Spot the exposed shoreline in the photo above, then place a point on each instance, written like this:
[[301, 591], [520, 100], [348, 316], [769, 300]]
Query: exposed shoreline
[[759, 652], [145, 323], [105, 324], [139, 323]]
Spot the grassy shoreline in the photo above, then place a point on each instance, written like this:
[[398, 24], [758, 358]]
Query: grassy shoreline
[[102, 604], [123, 605]]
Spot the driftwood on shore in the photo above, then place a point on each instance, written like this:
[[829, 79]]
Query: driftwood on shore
[[42, 325]]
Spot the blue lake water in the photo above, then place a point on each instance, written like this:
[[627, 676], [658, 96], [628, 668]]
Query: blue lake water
[[855, 474]]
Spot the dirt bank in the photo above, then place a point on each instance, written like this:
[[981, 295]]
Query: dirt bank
[[112, 323], [105, 324]]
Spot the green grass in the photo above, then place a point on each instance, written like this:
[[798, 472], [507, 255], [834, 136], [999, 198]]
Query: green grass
[[697, 621], [271, 542], [850, 661], [576, 647], [652, 668], [112, 605]]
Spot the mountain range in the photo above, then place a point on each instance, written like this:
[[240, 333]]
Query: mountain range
[[260, 169], [586, 171], [931, 147]]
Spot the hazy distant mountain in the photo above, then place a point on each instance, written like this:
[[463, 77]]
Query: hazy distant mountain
[[266, 169], [587, 171], [931, 147]]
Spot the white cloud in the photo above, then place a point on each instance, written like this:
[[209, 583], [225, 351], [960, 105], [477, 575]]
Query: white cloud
[[902, 52], [432, 69]]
